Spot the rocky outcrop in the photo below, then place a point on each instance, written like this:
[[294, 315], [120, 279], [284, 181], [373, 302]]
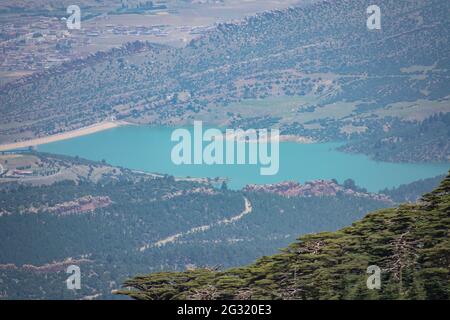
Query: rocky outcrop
[[315, 188]]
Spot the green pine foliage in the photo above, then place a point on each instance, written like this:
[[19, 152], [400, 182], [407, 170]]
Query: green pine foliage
[[410, 244]]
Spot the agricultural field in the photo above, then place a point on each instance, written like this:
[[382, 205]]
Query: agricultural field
[[34, 35]]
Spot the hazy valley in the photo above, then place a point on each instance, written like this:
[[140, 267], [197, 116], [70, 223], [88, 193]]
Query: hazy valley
[[364, 123]]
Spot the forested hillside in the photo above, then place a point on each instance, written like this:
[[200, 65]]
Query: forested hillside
[[410, 244], [419, 141], [341, 80], [315, 72], [115, 223], [413, 191]]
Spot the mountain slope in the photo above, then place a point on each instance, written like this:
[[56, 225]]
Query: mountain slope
[[410, 244], [115, 223], [427, 140], [323, 50]]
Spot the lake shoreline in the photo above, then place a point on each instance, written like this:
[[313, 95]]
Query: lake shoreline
[[149, 148], [97, 127], [106, 125]]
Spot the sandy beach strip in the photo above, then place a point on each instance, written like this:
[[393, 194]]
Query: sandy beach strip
[[63, 136]]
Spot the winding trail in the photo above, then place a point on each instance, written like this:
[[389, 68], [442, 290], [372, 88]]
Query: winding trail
[[160, 243]]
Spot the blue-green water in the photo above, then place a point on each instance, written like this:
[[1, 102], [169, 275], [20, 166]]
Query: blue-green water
[[149, 149]]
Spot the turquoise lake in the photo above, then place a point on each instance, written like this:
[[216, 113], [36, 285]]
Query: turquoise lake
[[149, 149]]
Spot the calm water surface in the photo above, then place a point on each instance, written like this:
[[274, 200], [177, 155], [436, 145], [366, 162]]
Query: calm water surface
[[149, 149]]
